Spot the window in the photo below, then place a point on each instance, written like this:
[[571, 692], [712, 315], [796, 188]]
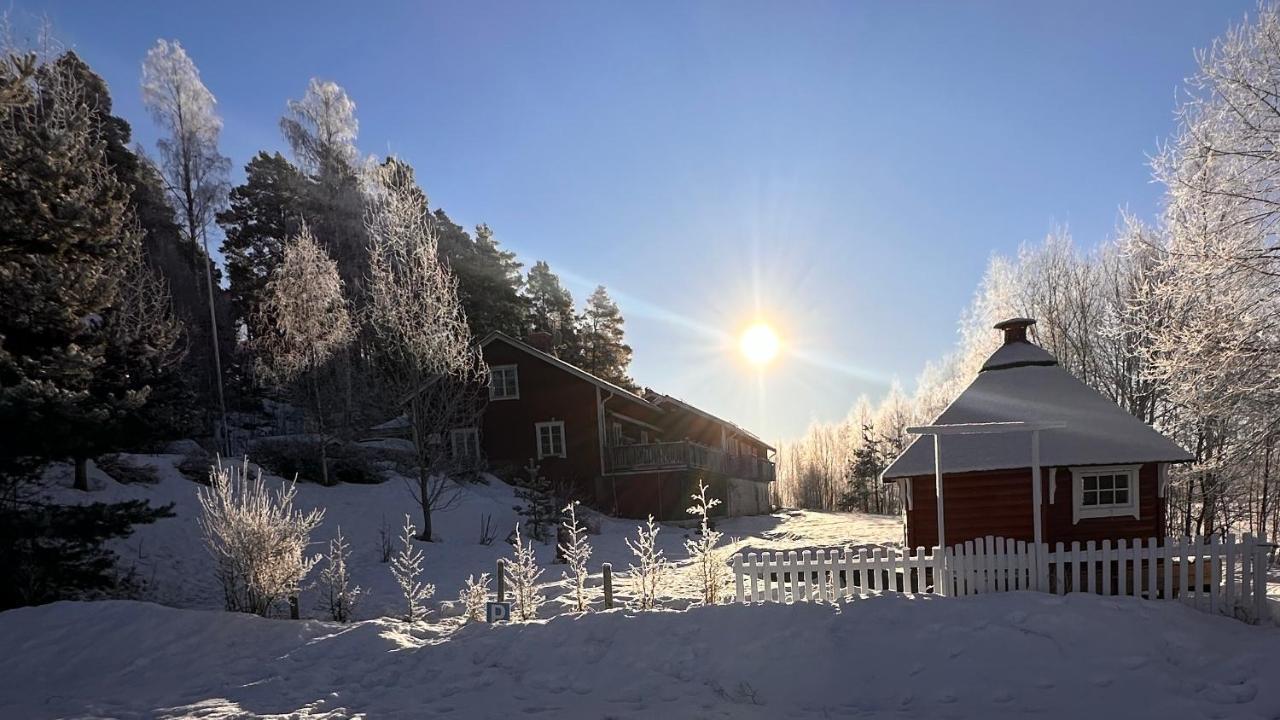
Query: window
[[615, 434], [504, 383], [464, 442], [644, 437], [550, 437], [1104, 492]]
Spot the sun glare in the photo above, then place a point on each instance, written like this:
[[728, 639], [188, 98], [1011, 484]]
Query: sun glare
[[759, 344]]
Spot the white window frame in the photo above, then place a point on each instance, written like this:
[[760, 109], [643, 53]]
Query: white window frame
[[470, 438], [1080, 511], [493, 375], [537, 438]]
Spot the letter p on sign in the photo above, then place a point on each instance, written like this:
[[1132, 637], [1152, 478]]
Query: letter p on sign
[[497, 612]]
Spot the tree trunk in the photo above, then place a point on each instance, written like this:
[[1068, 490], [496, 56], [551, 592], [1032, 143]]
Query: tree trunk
[[424, 488], [82, 474]]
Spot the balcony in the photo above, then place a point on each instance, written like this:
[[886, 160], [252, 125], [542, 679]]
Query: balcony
[[686, 455]]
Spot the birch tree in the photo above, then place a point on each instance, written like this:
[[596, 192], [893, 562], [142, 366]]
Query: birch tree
[[193, 170], [423, 350], [306, 328]]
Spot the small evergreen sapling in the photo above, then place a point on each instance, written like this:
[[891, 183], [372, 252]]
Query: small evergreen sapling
[[406, 566], [473, 597], [649, 576], [335, 581], [708, 561], [576, 551], [523, 571]]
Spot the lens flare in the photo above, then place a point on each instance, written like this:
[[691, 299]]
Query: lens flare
[[759, 344]]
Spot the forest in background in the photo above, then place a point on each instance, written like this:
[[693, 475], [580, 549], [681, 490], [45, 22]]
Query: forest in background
[[1177, 320]]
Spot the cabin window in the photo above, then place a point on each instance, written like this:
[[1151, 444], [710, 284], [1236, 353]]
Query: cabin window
[[504, 383], [615, 434], [1105, 492], [644, 437], [550, 439], [464, 442]]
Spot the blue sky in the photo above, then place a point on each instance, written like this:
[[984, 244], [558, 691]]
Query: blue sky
[[842, 170]]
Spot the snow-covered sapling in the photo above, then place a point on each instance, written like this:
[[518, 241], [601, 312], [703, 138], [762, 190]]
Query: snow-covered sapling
[[709, 563], [576, 551], [340, 596], [649, 576], [473, 596], [257, 539], [406, 566], [523, 572]]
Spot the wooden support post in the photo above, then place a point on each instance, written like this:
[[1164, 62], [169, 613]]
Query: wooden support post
[[502, 581], [607, 569], [1036, 498], [293, 607], [937, 487]]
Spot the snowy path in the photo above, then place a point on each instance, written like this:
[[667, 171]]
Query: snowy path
[[1006, 655]]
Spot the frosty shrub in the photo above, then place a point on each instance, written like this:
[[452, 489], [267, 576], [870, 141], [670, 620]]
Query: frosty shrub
[[473, 597], [649, 575], [335, 581], [523, 572], [576, 551], [257, 539], [406, 566], [709, 563]]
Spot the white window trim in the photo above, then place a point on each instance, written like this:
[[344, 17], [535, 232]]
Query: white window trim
[[467, 432], [537, 438], [515, 370], [1080, 512]]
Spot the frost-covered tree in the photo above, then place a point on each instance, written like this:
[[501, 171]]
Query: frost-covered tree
[[406, 567], [420, 342], [322, 127], [600, 336], [648, 576], [523, 572], [194, 171], [304, 331], [576, 551], [473, 597], [710, 564], [339, 595], [257, 538]]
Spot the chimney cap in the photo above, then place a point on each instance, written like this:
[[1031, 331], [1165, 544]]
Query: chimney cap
[[1018, 322]]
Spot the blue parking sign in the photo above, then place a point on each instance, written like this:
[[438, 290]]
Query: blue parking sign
[[497, 612]]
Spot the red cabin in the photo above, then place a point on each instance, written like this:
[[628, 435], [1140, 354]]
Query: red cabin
[[1102, 472], [625, 453]]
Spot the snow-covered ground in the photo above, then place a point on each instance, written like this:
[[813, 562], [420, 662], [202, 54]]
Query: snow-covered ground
[[170, 559], [992, 656]]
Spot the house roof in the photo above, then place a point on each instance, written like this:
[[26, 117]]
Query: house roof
[[571, 369], [1022, 382], [660, 398]]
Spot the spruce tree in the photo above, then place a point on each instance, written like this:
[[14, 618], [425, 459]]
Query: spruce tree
[[262, 214], [603, 353], [551, 311], [489, 278]]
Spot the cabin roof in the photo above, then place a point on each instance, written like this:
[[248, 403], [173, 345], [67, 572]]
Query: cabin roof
[[1023, 382], [659, 398]]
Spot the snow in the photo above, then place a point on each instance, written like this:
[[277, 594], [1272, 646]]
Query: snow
[[1097, 432], [170, 558], [999, 655], [1018, 353]]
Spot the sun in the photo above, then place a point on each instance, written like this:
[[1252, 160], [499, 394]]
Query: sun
[[759, 344]]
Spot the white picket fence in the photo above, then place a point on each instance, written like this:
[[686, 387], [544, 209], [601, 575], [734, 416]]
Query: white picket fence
[[1220, 574]]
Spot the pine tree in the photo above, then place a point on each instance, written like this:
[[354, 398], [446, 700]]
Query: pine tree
[[262, 214], [551, 311], [489, 279], [63, 218], [600, 334]]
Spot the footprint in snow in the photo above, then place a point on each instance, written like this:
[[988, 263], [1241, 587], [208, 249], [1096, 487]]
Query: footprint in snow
[[1002, 695], [1133, 662]]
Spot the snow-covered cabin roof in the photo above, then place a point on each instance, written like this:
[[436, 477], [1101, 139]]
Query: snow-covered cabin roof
[[1023, 382]]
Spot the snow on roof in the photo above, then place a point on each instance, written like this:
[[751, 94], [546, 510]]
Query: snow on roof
[[1023, 382]]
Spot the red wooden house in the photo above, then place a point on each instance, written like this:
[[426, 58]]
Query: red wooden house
[[628, 454], [1102, 472]]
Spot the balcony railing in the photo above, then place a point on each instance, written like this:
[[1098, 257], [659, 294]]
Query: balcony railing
[[686, 455]]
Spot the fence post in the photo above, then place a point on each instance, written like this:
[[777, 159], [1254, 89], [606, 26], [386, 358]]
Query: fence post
[[293, 607], [502, 581], [737, 578], [1260, 608], [608, 585]]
